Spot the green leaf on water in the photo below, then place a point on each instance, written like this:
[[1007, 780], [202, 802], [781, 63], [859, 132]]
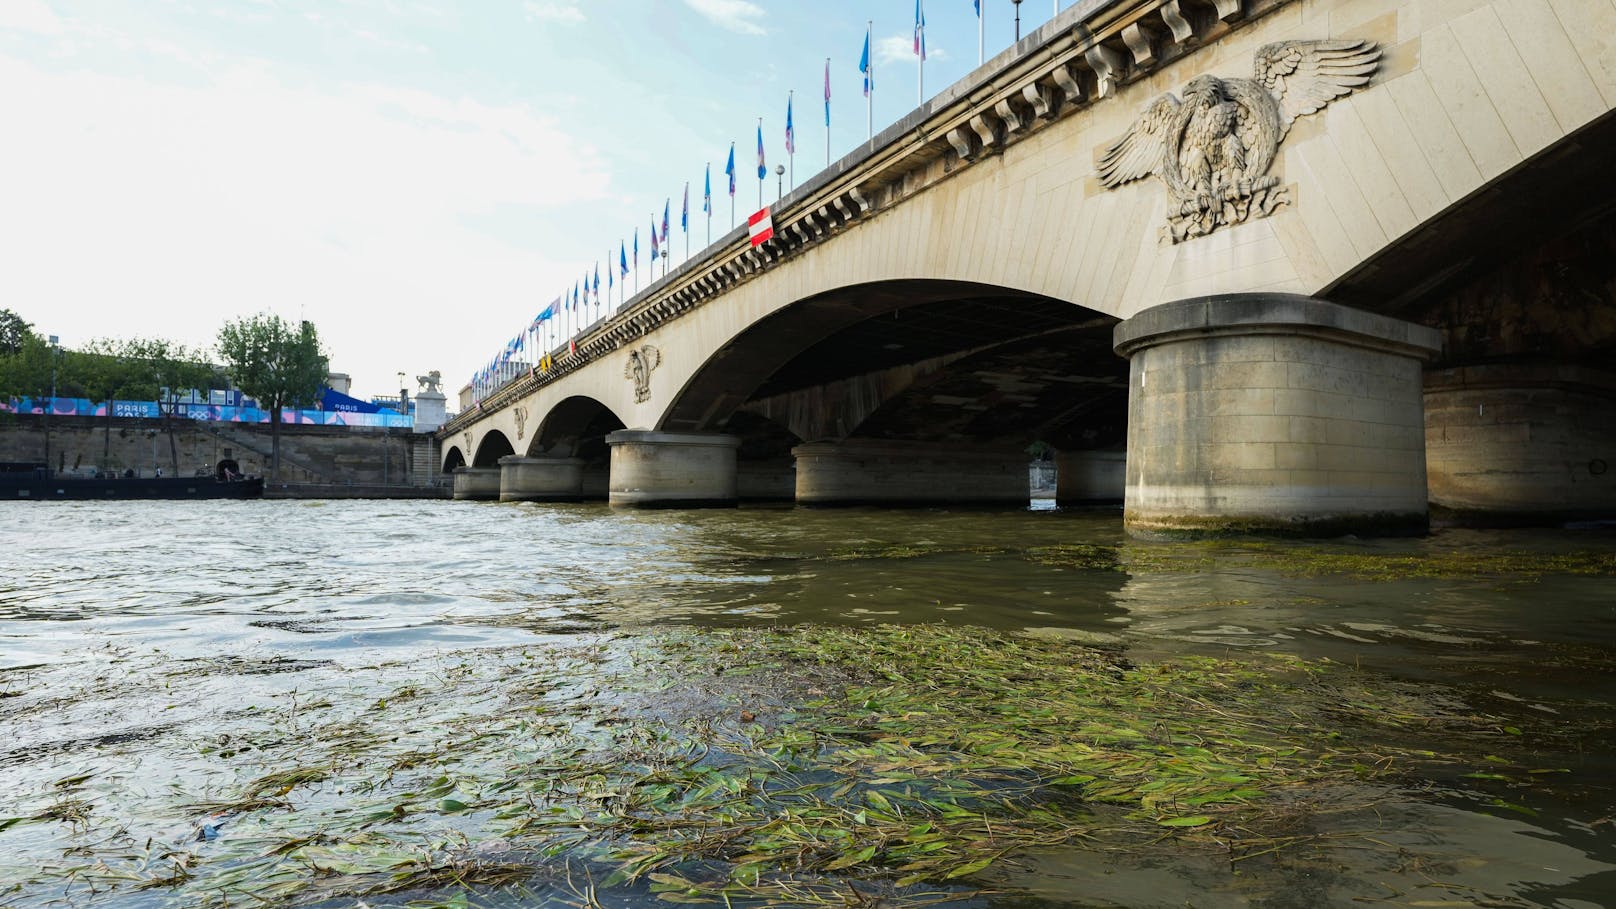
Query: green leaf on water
[[450, 806], [1198, 820], [969, 868]]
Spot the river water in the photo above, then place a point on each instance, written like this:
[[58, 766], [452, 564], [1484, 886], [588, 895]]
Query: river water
[[136, 637]]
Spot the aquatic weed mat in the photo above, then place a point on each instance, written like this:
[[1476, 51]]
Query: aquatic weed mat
[[808, 765]]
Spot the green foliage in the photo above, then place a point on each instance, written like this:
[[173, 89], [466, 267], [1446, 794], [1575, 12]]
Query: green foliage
[[13, 333], [273, 361], [26, 370], [133, 370]]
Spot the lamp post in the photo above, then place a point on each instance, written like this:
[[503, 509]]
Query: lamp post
[[779, 181], [50, 404], [1017, 5]]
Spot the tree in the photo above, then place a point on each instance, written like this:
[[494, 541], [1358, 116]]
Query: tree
[[13, 333], [25, 359], [275, 363]]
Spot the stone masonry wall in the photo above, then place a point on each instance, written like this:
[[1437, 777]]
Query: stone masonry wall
[[309, 454]]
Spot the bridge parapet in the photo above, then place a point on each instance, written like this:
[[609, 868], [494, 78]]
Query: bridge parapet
[[1080, 57]]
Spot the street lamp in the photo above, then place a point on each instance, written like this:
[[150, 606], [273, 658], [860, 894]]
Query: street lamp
[[779, 181], [1017, 4], [50, 403]]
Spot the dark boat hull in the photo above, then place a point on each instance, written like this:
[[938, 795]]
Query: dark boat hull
[[34, 486]]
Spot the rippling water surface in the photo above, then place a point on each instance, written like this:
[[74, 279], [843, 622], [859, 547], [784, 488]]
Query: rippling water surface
[[286, 595]]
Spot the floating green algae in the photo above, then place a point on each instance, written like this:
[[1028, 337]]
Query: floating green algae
[[791, 766], [1311, 560]]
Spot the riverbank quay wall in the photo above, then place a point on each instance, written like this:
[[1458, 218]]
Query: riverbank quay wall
[[964, 283], [336, 459]]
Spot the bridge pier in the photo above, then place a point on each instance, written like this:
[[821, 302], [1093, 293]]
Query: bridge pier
[[895, 473], [672, 469], [1521, 443], [1274, 413], [524, 479], [476, 483], [1090, 477]]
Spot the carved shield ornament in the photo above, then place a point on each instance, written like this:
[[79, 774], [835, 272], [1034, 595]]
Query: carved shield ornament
[[1213, 149], [641, 362], [520, 415]]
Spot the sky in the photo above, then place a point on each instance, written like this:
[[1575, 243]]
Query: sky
[[418, 178]]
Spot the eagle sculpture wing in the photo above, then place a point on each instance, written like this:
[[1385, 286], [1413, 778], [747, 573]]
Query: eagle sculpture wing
[[1139, 154], [1304, 76]]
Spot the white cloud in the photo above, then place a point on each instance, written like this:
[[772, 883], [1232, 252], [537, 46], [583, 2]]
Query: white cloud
[[554, 10], [162, 209], [901, 49], [734, 15], [29, 16]]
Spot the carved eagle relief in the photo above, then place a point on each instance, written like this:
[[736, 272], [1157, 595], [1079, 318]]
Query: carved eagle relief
[[638, 370], [1214, 148]]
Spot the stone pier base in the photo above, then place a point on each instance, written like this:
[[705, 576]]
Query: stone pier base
[[476, 483], [1521, 443], [1090, 477], [874, 472], [540, 479], [1274, 413], [672, 469]]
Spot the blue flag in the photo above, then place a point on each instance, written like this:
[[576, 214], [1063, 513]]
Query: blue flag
[[636, 249], [920, 31], [684, 211], [763, 169], [665, 231], [707, 192], [730, 168], [791, 134], [597, 282], [622, 258], [865, 68], [654, 243]]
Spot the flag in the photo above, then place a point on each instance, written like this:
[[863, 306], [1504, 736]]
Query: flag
[[865, 67], [622, 258], [636, 249], [597, 281], [730, 168], [611, 278], [827, 91], [763, 168], [665, 231], [707, 192], [684, 211], [761, 227], [791, 134], [978, 5], [920, 31], [655, 244]]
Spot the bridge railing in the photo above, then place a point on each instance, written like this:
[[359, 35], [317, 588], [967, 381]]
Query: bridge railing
[[1079, 58]]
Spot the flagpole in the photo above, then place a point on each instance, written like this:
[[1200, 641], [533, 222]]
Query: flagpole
[[791, 155], [981, 34], [827, 112], [869, 96], [760, 165], [920, 35]]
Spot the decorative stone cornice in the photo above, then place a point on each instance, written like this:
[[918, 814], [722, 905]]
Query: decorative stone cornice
[[1079, 58]]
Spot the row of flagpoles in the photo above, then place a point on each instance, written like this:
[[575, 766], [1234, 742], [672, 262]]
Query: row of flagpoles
[[565, 317]]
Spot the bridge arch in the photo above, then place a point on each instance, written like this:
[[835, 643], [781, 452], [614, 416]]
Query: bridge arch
[[453, 458], [1008, 362], [575, 428], [494, 445]]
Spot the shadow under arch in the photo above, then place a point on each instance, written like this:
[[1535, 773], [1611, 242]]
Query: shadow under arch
[[822, 367], [453, 458], [493, 447], [575, 428]]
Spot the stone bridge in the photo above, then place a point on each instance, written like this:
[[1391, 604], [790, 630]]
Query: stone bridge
[[1245, 264]]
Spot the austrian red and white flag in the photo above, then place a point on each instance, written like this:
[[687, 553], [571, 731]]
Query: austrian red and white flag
[[761, 226]]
